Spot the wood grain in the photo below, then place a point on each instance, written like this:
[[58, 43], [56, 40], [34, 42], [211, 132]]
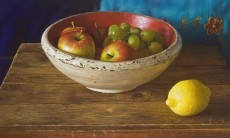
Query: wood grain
[[37, 100], [153, 133]]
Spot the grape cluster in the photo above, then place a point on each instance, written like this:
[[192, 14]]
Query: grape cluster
[[146, 42]]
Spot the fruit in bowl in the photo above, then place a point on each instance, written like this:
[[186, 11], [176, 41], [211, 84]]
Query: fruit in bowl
[[145, 42], [121, 43], [118, 51], [77, 41], [112, 77]]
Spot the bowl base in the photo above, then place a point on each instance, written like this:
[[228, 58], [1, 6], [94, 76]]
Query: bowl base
[[110, 91]]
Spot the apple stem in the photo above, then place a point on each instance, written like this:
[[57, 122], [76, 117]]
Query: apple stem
[[109, 55], [98, 31], [96, 26], [79, 36], [80, 32], [72, 24]]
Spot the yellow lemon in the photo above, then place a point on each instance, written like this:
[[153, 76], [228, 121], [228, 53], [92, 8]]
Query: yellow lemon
[[188, 97]]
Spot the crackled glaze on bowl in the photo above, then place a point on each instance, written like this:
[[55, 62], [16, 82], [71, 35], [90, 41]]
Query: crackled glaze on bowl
[[108, 77]]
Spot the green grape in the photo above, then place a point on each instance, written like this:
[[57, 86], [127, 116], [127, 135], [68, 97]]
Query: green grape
[[117, 34], [135, 30], [112, 27], [155, 47], [108, 40], [125, 26], [148, 35], [134, 41]]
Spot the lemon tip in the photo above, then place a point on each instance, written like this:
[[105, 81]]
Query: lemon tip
[[170, 102]]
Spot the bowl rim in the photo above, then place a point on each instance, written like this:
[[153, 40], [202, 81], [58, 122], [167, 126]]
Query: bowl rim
[[67, 58]]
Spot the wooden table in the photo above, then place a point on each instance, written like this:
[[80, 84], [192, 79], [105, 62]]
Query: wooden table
[[37, 101]]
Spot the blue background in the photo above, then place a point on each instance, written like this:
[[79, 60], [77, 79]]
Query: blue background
[[173, 11]]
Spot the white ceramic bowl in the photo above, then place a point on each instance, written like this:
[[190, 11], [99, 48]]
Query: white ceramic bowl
[[108, 77]]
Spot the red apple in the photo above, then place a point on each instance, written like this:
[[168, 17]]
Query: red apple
[[77, 41], [118, 51]]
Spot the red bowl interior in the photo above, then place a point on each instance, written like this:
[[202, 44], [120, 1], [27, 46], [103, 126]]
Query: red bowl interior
[[105, 19]]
